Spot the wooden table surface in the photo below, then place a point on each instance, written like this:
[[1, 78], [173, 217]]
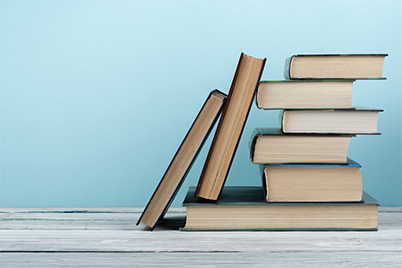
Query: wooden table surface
[[75, 237]]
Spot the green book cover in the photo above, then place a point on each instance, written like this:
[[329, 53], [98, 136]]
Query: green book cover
[[254, 195]]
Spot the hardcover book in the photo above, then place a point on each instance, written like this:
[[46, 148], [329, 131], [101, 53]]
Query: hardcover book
[[335, 66], [272, 146], [312, 182], [183, 160], [230, 127], [302, 94], [244, 208], [331, 121]]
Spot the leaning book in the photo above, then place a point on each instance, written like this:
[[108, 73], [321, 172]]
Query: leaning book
[[244, 208], [183, 160], [230, 127]]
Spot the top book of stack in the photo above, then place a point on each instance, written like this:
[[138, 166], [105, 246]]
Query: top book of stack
[[335, 66]]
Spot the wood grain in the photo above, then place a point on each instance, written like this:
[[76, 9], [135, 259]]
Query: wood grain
[[110, 238]]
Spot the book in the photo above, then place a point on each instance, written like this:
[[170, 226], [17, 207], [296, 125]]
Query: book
[[230, 127], [312, 182], [272, 146], [183, 159], [313, 94], [244, 208], [338, 121], [338, 66]]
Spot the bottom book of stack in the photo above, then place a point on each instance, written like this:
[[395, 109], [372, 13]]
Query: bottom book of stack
[[245, 208]]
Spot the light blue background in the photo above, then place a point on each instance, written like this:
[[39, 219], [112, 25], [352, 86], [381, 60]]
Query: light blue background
[[96, 96]]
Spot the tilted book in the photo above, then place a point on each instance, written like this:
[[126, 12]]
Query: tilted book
[[244, 208], [230, 127], [183, 160]]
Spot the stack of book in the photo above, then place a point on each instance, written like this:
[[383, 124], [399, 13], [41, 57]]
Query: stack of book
[[308, 181]]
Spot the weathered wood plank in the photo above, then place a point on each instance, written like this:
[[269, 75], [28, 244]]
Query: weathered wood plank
[[172, 241], [81, 221], [121, 219], [110, 238], [204, 260], [94, 210]]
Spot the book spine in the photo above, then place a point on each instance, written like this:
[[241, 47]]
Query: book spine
[[287, 68], [265, 189], [252, 141], [256, 96]]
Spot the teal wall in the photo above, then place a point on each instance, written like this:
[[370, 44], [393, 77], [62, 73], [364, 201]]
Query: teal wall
[[96, 96]]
